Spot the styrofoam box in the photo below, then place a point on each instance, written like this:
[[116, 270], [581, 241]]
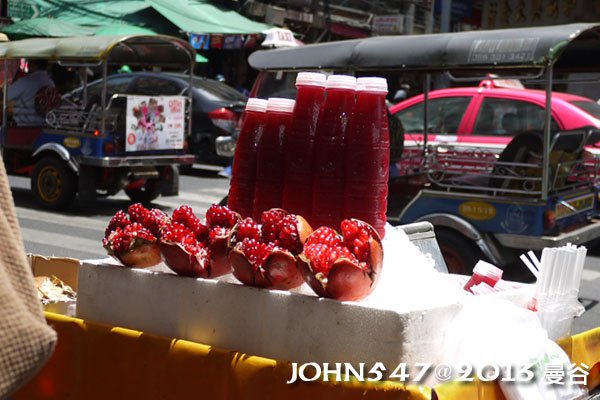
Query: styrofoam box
[[275, 324]]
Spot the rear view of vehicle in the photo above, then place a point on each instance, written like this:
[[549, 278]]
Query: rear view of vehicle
[[130, 142]]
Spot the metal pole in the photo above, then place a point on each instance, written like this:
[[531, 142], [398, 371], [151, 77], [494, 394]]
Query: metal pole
[[445, 18], [190, 97], [103, 95], [547, 132], [85, 88], [426, 110], [4, 107]]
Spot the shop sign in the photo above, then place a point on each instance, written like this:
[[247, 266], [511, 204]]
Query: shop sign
[[216, 41], [388, 24], [232, 42], [155, 122], [477, 210], [200, 42]]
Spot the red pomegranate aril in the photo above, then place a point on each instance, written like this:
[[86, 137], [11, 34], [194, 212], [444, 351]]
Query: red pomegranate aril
[[221, 216], [133, 245], [265, 255], [343, 267], [119, 220], [185, 216]]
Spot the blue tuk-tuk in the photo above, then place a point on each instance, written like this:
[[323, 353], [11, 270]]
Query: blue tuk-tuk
[[98, 147], [540, 191]]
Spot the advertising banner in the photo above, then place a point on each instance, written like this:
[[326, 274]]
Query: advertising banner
[[155, 122]]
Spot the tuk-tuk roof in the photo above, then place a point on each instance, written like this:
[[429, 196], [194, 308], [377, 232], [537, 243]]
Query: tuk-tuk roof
[[121, 49], [573, 46]]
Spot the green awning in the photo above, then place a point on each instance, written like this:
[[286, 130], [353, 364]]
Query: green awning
[[94, 13], [199, 16], [123, 29], [201, 59], [45, 27]]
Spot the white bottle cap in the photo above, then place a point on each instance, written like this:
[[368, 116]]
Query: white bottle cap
[[311, 79], [372, 84], [280, 104], [341, 82], [256, 104]]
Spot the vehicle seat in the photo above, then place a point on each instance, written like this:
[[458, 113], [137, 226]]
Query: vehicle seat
[[510, 123], [485, 122], [527, 148], [451, 123], [47, 98]]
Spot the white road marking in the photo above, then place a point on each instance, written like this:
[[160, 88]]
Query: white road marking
[[589, 275]]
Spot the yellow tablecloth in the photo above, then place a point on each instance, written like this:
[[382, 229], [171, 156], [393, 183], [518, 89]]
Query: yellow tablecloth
[[94, 361]]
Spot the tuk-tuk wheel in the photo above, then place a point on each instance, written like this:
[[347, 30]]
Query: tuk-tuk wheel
[[145, 194], [460, 253], [53, 184]]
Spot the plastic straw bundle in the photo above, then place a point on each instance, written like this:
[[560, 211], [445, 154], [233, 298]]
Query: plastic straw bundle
[[557, 288]]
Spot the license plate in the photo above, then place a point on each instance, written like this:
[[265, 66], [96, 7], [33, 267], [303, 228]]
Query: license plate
[[574, 206]]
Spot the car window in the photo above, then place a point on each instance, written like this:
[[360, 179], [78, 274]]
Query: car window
[[151, 85], [113, 85], [278, 84], [445, 115], [508, 117], [217, 91], [589, 107]]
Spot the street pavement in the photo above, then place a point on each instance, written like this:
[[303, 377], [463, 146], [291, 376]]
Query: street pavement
[[78, 232]]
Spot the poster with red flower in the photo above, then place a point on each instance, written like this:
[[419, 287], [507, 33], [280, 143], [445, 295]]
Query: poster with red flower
[[155, 123]]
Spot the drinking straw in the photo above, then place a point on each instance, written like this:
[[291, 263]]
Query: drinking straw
[[545, 272], [535, 260], [580, 262], [567, 266], [530, 266]]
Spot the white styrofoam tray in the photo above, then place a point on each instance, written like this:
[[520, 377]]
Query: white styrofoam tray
[[274, 324]]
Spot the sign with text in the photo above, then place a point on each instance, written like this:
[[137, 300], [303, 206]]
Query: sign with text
[[155, 123], [388, 24]]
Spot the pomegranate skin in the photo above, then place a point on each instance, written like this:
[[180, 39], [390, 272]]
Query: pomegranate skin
[[346, 280], [144, 256], [279, 272], [219, 256], [181, 262], [280, 269]]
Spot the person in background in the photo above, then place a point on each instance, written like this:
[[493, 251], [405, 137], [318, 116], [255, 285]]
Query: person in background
[[21, 94]]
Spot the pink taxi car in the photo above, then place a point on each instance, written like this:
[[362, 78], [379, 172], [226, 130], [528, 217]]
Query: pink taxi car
[[491, 114]]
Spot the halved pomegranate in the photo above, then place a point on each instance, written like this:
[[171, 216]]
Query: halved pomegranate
[[133, 245], [191, 248], [220, 221], [133, 238], [265, 255], [342, 267], [182, 252]]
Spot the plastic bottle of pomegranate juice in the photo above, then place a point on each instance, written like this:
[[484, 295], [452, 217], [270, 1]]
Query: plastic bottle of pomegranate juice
[[368, 155], [243, 175], [299, 144], [269, 166], [329, 166]]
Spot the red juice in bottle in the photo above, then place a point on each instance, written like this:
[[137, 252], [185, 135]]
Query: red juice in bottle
[[368, 155], [269, 166], [299, 144], [243, 174], [329, 154]]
